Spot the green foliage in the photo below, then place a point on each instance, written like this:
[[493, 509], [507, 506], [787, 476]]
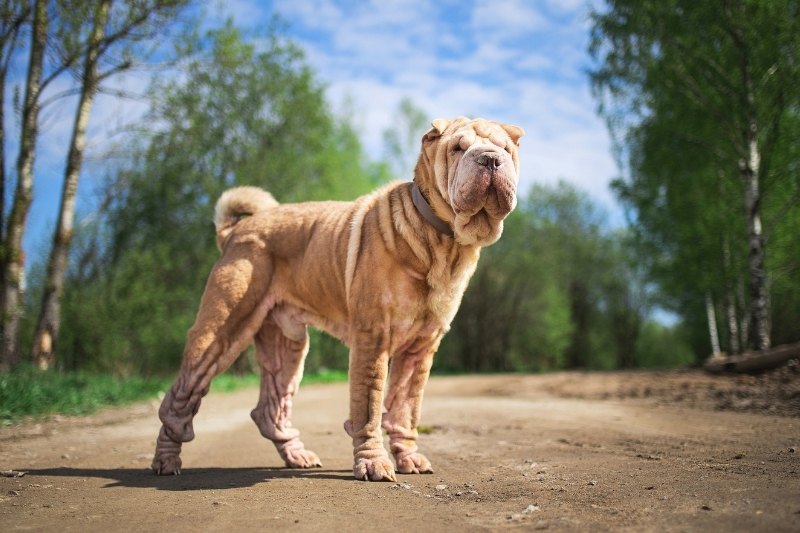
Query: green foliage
[[241, 115], [691, 91], [128, 322], [660, 346], [327, 354], [558, 290], [401, 142], [229, 382], [26, 390]]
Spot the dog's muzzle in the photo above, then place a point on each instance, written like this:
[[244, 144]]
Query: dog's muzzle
[[485, 179]]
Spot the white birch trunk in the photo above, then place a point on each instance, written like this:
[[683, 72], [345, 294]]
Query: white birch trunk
[[711, 315], [14, 274], [47, 330], [759, 304]]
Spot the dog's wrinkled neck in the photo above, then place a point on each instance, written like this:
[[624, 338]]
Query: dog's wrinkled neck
[[424, 209]]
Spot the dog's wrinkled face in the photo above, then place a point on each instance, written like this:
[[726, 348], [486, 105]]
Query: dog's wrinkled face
[[475, 167]]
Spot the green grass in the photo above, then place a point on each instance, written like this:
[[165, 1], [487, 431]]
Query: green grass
[[26, 391], [326, 376], [231, 382]]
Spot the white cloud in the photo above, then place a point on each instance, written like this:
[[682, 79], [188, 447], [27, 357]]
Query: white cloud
[[514, 61], [566, 6], [503, 17]]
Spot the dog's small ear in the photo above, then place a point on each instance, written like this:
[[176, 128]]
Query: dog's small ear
[[439, 125], [515, 132]]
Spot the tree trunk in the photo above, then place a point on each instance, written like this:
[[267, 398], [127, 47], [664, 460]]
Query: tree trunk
[[13, 21], [750, 167], [14, 275], [2, 188], [759, 338], [46, 337], [8, 42], [744, 319], [733, 324], [711, 315], [734, 344]]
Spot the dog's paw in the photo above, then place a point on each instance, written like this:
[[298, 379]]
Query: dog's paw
[[413, 463], [294, 454], [302, 459], [376, 469], [166, 465]]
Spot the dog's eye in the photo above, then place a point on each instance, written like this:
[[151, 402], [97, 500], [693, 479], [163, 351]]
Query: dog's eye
[[461, 146]]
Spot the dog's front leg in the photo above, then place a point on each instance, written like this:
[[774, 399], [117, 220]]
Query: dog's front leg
[[409, 374], [369, 363]]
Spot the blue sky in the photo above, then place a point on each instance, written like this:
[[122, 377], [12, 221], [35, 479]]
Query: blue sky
[[517, 61]]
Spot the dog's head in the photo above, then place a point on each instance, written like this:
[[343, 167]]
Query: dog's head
[[468, 170]]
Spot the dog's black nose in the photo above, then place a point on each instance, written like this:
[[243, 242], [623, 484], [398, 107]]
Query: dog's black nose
[[489, 159]]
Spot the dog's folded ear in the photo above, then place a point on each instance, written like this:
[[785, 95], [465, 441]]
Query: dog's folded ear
[[439, 125], [515, 132]]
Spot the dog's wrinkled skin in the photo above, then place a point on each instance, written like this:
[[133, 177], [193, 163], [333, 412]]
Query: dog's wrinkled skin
[[372, 272]]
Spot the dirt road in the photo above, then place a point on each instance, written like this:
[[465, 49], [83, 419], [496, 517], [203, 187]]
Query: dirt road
[[561, 452]]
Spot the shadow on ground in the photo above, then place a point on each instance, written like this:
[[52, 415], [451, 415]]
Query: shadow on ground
[[191, 479]]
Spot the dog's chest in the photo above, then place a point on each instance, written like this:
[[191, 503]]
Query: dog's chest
[[447, 280]]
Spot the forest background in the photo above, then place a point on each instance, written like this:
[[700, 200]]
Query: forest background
[[701, 99]]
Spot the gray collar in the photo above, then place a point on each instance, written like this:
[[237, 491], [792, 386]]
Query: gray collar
[[427, 212]]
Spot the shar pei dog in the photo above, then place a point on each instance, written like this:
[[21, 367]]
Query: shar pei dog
[[385, 274]]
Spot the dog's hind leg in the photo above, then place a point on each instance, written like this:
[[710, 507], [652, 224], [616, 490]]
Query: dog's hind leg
[[281, 348], [232, 310]]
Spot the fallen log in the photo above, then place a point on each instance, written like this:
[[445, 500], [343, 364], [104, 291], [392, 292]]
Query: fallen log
[[751, 362]]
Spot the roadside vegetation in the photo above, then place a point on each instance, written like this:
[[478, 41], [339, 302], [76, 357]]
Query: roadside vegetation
[[704, 115], [26, 391]]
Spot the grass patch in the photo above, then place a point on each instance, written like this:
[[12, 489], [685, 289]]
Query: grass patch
[[27, 391], [231, 382], [326, 376]]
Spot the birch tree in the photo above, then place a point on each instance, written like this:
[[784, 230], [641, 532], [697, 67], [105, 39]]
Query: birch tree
[[233, 117], [132, 21], [14, 262], [13, 16], [401, 142], [40, 73], [720, 76]]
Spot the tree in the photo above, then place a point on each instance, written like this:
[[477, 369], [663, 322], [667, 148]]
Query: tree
[[240, 114], [402, 141], [716, 80], [558, 290], [133, 22], [13, 16], [14, 262]]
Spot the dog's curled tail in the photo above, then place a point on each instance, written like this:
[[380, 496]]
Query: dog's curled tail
[[237, 203]]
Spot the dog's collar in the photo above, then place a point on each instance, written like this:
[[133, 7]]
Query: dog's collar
[[427, 212]]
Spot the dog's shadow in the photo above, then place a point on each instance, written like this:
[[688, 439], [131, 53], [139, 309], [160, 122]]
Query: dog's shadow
[[190, 478]]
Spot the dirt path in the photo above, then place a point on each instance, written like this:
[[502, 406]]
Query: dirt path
[[510, 452]]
